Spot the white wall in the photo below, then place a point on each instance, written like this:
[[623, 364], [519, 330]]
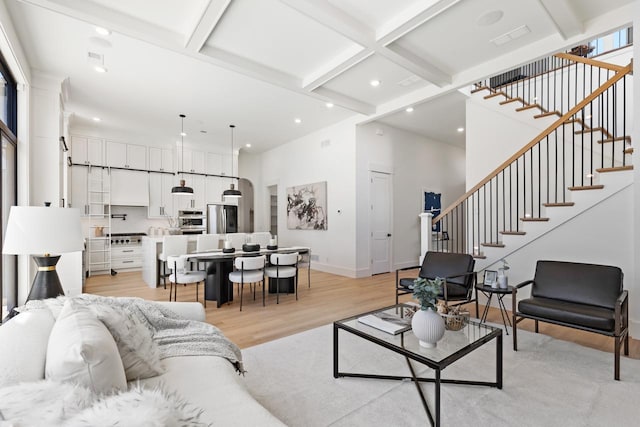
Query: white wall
[[417, 164], [325, 155], [634, 297], [606, 242]]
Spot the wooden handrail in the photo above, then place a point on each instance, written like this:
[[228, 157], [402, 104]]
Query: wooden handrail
[[593, 95], [589, 61]]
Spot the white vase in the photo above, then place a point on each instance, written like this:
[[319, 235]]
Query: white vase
[[428, 327], [503, 279]]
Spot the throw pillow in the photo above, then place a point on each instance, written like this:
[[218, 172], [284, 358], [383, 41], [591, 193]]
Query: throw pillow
[[139, 407], [82, 350], [139, 353], [42, 403], [23, 347]]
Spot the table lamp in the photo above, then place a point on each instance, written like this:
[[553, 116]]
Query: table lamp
[[41, 232]]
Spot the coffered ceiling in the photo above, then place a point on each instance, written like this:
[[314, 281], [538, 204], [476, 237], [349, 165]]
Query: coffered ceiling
[[261, 64]]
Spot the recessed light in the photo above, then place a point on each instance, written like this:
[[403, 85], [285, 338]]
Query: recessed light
[[96, 119], [375, 83], [298, 121], [103, 31], [183, 134], [100, 68], [247, 145], [461, 129], [329, 104], [409, 110]]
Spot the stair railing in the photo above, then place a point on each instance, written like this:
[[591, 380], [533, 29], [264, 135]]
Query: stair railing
[[564, 157]]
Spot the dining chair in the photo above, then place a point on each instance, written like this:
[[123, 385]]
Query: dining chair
[[237, 240], [260, 237], [283, 266], [171, 246], [207, 243], [248, 270], [182, 275]]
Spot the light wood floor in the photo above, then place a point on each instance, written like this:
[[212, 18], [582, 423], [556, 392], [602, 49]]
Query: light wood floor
[[330, 298]]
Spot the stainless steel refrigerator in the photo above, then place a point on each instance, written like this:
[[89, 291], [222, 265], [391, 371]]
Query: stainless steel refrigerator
[[222, 219]]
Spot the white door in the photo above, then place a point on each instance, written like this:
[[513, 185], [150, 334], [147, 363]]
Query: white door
[[380, 192]]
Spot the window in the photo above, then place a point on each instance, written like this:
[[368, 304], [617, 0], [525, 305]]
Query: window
[[8, 184]]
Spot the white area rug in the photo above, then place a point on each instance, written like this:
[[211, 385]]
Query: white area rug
[[548, 382]]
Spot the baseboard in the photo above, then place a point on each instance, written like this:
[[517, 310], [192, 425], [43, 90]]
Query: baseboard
[[340, 271], [634, 328], [404, 264]]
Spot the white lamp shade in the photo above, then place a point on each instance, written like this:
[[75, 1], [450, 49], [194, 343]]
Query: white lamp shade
[[35, 230]]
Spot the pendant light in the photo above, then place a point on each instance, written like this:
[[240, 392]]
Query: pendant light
[[232, 192], [182, 190]]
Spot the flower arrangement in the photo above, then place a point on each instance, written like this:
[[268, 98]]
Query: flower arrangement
[[505, 265], [426, 291]]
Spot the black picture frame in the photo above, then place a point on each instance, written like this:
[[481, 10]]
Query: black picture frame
[[490, 277], [445, 235]]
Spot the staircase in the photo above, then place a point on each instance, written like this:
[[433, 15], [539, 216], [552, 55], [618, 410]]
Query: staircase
[[581, 156]]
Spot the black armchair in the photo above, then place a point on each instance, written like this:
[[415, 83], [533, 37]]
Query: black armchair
[[456, 270]]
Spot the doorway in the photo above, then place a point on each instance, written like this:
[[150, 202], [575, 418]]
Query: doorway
[[273, 209], [381, 222]]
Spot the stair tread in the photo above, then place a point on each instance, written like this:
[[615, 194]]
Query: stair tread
[[615, 169], [626, 138], [491, 95], [559, 204], [513, 233], [586, 187], [548, 113], [510, 100], [479, 89], [628, 150], [597, 129], [534, 219], [493, 245], [528, 107]]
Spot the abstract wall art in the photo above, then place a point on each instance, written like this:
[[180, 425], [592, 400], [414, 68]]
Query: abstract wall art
[[307, 207]]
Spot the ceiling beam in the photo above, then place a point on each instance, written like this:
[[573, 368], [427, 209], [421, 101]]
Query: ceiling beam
[[335, 19], [346, 101], [96, 14], [335, 68], [207, 24], [415, 64], [563, 16], [331, 17]]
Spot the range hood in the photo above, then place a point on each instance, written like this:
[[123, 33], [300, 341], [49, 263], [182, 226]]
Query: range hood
[[129, 188]]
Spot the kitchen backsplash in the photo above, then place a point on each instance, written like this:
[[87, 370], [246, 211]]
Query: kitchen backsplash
[[136, 222]]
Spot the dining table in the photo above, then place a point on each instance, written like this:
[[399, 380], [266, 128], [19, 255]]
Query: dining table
[[219, 264]]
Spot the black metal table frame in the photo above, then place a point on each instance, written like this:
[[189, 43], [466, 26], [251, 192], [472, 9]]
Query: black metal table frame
[[500, 294], [436, 366]]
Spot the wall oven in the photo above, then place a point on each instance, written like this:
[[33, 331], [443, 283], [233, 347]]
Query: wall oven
[[192, 222]]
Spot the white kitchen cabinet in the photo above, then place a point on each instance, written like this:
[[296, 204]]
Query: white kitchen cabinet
[[89, 189], [129, 156], [161, 159], [129, 188], [79, 194], [197, 200], [87, 151], [214, 189], [160, 198], [214, 164], [226, 165], [194, 161]]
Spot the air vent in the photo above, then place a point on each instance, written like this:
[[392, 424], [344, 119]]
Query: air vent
[[93, 56], [511, 35]]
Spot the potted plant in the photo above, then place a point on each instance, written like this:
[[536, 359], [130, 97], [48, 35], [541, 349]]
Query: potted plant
[[427, 325]]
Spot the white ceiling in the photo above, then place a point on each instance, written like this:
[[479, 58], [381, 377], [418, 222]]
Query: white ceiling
[[262, 63]]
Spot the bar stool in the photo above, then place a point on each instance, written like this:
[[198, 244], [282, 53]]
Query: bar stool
[[181, 275]]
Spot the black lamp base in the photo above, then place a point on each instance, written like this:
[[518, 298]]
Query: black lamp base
[[46, 284]]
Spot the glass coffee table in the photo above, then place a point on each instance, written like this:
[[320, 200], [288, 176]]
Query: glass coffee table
[[453, 346]]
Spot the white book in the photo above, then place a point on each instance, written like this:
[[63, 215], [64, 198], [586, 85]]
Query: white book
[[383, 325]]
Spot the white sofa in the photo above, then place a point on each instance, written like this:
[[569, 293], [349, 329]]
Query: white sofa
[[210, 383]]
